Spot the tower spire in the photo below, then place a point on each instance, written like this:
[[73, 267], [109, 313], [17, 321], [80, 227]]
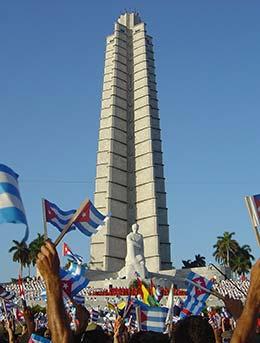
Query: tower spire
[[129, 176]]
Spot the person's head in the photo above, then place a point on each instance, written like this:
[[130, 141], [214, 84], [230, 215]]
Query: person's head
[[149, 336], [135, 227], [193, 329], [96, 336]]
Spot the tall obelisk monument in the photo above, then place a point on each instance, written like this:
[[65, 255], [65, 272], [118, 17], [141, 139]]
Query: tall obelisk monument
[[129, 176]]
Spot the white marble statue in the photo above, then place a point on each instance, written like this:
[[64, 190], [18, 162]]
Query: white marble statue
[[134, 261]]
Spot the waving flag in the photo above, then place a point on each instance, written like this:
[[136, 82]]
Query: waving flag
[[192, 306], [152, 317], [11, 205], [253, 206], [88, 221], [73, 279], [67, 252], [196, 296], [193, 291], [56, 216], [38, 339], [7, 296]]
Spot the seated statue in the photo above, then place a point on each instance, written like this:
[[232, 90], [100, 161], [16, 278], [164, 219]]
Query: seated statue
[[135, 261]]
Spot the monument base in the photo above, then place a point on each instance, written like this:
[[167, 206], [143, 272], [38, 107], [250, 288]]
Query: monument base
[[165, 278]]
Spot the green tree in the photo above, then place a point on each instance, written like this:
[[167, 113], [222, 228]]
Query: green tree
[[199, 261], [241, 262], [225, 248], [186, 264], [21, 254], [245, 251], [35, 247]]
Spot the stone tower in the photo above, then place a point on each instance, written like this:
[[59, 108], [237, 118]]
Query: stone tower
[[129, 175]]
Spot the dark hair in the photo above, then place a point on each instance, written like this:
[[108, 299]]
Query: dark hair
[[193, 329], [148, 337], [96, 336]]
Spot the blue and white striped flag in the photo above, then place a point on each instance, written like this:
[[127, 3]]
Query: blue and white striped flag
[[73, 279], [88, 221], [152, 318], [196, 296], [11, 205]]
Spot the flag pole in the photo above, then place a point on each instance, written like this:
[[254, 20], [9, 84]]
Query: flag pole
[[44, 219], [138, 317], [251, 210], [170, 311], [70, 222]]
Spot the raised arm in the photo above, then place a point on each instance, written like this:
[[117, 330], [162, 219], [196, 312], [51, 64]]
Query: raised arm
[[48, 264], [246, 324]]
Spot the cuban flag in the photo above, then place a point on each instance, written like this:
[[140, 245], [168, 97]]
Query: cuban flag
[[253, 205], [152, 317], [11, 205], [37, 339], [56, 216], [196, 296], [88, 221], [73, 279], [67, 252], [192, 306]]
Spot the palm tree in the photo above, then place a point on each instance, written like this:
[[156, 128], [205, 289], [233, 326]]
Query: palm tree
[[225, 248], [186, 264], [245, 251], [21, 254], [241, 262], [199, 261], [35, 247], [240, 265]]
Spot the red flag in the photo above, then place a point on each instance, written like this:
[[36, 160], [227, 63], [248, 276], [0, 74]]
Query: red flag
[[20, 285]]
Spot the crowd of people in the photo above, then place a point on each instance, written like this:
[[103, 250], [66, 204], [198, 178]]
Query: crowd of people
[[235, 290], [70, 322], [34, 290]]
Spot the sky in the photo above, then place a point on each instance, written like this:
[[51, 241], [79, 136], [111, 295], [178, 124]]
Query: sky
[[207, 57]]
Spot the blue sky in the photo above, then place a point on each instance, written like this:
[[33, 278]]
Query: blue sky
[[207, 63]]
